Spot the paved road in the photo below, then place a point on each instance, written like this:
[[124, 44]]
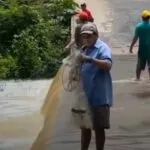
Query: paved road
[[130, 115]]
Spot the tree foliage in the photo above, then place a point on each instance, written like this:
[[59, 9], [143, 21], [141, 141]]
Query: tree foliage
[[32, 36]]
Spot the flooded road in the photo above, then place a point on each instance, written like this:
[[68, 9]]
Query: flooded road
[[126, 14], [20, 119], [130, 115], [20, 102], [116, 20], [20, 98]]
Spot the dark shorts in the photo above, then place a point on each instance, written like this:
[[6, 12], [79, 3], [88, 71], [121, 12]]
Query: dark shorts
[[141, 64], [101, 117]]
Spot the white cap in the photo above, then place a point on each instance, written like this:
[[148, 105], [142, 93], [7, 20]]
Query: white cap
[[89, 28]]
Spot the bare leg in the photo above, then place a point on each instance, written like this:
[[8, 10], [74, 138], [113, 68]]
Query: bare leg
[[149, 72], [138, 73], [148, 64], [85, 138], [100, 139]]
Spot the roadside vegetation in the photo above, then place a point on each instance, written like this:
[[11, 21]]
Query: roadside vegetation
[[33, 34]]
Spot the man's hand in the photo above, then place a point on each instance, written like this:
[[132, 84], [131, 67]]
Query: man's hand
[[83, 57], [130, 50], [66, 51], [135, 38], [76, 12]]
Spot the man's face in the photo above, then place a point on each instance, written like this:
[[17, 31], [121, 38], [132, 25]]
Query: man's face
[[83, 7], [89, 39]]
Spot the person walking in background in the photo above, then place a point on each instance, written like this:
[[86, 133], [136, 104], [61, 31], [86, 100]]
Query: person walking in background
[[86, 10], [82, 18], [142, 32], [97, 83]]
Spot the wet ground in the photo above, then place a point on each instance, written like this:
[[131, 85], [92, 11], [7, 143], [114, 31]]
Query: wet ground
[[20, 119], [19, 98], [20, 102], [130, 113], [121, 18]]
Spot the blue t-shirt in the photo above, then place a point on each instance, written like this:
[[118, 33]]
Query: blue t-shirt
[[97, 83]]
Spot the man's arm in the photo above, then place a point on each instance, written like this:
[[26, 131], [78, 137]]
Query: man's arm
[[135, 38], [103, 64], [69, 45], [104, 60], [67, 49], [73, 40]]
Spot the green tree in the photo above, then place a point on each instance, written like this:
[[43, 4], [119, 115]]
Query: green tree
[[8, 68], [32, 37]]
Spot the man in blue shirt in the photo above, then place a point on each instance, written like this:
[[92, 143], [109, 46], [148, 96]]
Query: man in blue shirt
[[97, 83]]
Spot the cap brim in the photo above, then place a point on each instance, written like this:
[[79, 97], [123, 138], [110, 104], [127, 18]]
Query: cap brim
[[86, 32], [146, 16]]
